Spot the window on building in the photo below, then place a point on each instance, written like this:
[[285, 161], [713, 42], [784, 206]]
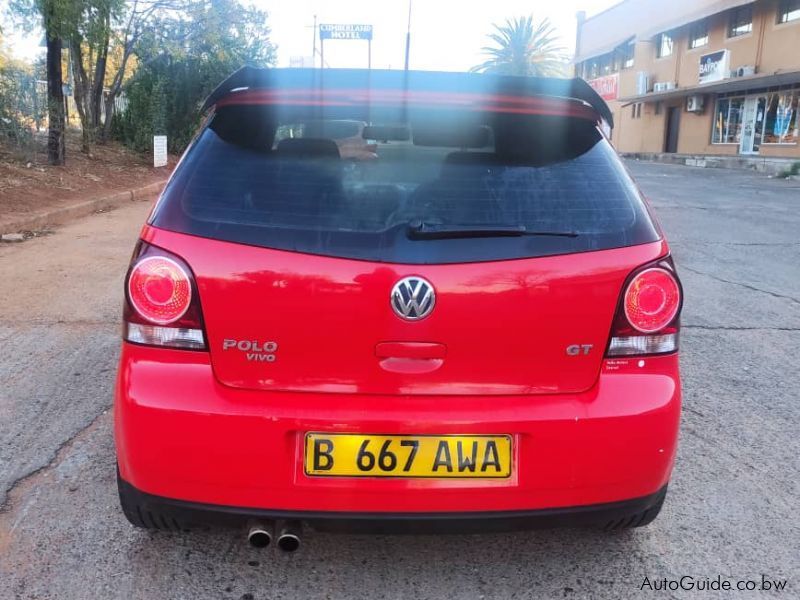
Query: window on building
[[605, 64], [727, 121], [627, 55], [664, 44], [698, 34], [781, 123], [741, 22], [788, 10]]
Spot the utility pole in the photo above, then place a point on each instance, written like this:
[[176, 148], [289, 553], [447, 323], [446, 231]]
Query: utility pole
[[408, 34], [314, 45]]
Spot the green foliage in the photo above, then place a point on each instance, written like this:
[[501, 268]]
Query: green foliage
[[22, 109], [524, 48], [180, 61], [791, 171]]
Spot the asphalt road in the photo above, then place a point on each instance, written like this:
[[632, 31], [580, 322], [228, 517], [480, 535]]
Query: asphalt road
[[732, 510]]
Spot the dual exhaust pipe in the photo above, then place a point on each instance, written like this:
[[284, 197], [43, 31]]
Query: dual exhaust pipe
[[260, 534]]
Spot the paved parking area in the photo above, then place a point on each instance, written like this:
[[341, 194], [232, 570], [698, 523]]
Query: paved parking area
[[732, 510]]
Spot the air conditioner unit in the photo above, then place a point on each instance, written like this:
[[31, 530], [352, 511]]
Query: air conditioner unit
[[744, 71], [642, 83], [695, 103], [664, 86]]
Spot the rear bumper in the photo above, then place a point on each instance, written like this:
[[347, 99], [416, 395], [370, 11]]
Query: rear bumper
[[182, 436], [177, 514]]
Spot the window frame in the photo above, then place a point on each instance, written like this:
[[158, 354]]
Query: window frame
[[786, 10], [735, 24], [698, 34]]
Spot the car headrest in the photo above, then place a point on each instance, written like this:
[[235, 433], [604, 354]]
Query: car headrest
[[308, 148]]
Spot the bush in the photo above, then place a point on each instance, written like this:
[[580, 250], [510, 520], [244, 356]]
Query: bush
[[791, 171]]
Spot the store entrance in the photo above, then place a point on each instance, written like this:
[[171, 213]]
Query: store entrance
[[752, 124]]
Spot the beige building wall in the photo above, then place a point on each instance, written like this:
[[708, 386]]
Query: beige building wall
[[770, 46]]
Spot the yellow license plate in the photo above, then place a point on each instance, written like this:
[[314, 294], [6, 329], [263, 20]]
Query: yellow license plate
[[430, 456]]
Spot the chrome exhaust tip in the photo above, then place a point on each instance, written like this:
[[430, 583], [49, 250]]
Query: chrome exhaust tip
[[289, 536], [259, 534]]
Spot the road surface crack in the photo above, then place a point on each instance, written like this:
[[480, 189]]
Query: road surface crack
[[6, 503], [744, 285]]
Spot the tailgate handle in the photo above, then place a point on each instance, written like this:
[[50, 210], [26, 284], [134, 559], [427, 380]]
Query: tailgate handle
[[418, 350]]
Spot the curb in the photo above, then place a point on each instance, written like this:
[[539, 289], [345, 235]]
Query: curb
[[60, 216]]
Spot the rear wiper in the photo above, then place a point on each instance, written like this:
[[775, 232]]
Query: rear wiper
[[418, 230]]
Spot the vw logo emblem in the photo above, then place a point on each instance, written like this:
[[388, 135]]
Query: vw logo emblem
[[413, 298]]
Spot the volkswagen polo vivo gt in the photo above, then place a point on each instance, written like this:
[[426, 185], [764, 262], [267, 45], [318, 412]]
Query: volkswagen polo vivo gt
[[477, 327]]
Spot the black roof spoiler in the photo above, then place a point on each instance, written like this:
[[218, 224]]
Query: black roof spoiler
[[257, 78]]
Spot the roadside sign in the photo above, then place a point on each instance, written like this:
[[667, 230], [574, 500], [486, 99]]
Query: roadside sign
[[345, 32], [159, 151]]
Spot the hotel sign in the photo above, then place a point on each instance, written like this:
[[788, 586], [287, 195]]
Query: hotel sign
[[714, 66], [345, 32], [607, 87]]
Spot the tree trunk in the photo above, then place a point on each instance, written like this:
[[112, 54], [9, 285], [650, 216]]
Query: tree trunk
[[96, 99], [105, 134], [55, 102], [81, 92]]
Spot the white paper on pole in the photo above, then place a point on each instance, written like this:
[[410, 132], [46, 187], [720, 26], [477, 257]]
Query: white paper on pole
[[159, 150]]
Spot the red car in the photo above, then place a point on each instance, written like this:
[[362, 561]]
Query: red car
[[478, 329]]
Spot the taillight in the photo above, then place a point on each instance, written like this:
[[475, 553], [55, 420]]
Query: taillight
[[159, 289], [647, 319], [162, 307]]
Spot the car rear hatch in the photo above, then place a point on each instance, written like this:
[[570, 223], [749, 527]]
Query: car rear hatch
[[508, 215]]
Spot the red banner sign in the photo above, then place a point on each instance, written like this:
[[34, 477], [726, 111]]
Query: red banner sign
[[607, 86]]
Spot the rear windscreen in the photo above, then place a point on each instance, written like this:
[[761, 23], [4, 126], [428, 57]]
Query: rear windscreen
[[440, 187]]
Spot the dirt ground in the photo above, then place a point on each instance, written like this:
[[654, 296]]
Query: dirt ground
[[28, 187]]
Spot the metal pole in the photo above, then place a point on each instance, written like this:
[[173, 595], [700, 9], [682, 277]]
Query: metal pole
[[321, 53], [314, 47], [408, 35], [369, 54]]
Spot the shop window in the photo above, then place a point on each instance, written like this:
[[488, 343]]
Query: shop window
[[741, 22], [698, 34], [788, 10], [727, 121], [664, 45], [780, 122]]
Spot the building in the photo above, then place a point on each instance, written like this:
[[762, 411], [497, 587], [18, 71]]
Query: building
[[697, 77]]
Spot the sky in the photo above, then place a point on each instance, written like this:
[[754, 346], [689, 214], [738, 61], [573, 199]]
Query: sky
[[446, 35]]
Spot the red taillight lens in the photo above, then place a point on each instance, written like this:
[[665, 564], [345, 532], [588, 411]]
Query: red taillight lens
[[652, 300], [647, 320], [159, 290], [162, 308]]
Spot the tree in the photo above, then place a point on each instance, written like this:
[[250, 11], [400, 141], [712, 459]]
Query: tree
[[89, 46], [523, 48], [181, 59], [137, 19], [58, 18]]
